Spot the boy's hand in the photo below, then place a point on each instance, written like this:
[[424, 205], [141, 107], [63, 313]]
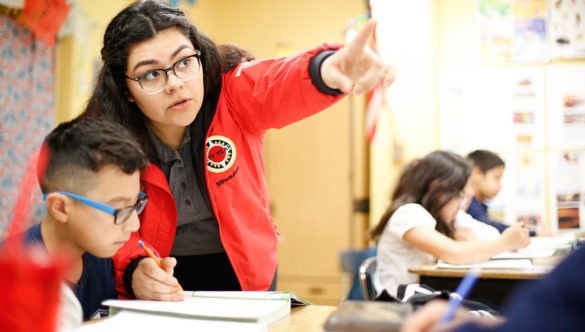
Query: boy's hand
[[356, 66], [150, 282]]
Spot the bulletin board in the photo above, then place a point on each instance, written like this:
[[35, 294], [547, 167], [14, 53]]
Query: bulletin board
[[533, 116], [525, 100]]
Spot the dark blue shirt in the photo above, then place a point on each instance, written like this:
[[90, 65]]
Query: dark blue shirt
[[554, 303], [97, 281], [479, 211]]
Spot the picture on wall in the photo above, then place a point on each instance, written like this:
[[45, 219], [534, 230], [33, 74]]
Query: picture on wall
[[567, 188], [513, 31], [567, 29]]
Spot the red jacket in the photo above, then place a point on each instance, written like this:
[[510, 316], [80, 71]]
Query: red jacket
[[255, 97]]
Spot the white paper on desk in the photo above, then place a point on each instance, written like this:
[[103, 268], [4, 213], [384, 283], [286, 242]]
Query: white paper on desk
[[252, 295], [233, 309], [552, 242], [260, 295], [128, 320], [525, 254], [491, 264]]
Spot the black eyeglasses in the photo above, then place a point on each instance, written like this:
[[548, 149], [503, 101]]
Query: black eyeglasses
[[120, 215], [156, 80]]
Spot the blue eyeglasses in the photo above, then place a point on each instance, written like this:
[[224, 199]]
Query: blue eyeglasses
[[120, 215]]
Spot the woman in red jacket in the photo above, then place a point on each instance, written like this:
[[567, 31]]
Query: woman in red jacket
[[203, 132]]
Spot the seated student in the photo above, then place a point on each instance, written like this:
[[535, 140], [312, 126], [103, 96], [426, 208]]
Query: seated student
[[418, 226], [554, 303], [486, 180], [91, 186]]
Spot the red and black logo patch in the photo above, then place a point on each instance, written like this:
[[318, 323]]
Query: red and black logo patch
[[221, 153]]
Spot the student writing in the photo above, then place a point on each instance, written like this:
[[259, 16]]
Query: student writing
[[554, 303], [418, 226], [486, 180], [203, 133], [91, 187]]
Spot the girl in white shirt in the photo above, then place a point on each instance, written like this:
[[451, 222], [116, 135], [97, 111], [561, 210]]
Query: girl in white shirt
[[418, 226]]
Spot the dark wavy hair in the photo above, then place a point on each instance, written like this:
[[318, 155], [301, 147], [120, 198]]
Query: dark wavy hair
[[74, 151], [232, 55], [431, 182], [139, 22]]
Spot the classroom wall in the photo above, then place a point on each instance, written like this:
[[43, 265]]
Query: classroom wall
[[408, 127]]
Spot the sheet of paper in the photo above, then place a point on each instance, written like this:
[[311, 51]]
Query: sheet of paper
[[491, 264], [525, 254], [259, 295], [552, 242]]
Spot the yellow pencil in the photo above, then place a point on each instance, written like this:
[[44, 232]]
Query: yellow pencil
[[153, 256]]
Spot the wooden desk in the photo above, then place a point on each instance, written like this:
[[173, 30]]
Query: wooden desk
[[307, 318], [493, 286]]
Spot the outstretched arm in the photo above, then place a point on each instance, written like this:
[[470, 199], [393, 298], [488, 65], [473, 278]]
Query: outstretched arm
[[357, 66]]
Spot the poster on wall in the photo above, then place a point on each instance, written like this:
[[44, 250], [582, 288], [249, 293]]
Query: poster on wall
[[496, 30], [567, 191], [567, 27], [513, 31], [492, 108], [523, 193], [566, 105]]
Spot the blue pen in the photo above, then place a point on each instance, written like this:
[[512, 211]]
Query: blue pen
[[455, 299]]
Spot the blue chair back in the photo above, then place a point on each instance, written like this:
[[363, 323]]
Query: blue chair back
[[351, 259]]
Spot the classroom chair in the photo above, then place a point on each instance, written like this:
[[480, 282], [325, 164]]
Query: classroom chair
[[366, 274], [350, 263]]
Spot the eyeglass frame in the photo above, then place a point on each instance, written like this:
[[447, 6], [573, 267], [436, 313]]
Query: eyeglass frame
[[138, 79], [138, 206]]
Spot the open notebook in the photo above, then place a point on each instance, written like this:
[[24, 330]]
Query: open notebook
[[254, 307]]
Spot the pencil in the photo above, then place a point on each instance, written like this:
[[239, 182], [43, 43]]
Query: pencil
[[153, 256], [455, 299]]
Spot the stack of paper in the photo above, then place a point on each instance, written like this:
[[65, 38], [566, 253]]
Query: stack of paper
[[259, 295], [203, 311], [127, 320], [244, 308]]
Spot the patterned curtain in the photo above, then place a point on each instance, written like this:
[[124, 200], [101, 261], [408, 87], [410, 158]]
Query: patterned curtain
[[27, 80]]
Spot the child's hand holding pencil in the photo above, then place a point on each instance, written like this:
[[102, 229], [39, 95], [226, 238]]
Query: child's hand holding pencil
[[157, 260]]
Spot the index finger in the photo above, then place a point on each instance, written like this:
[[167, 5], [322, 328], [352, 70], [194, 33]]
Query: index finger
[[361, 39]]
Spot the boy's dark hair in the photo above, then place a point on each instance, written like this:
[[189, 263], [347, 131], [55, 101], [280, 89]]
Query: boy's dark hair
[[137, 23], [431, 182], [75, 150], [485, 160]]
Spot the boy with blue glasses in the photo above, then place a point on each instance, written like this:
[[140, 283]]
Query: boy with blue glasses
[[89, 173]]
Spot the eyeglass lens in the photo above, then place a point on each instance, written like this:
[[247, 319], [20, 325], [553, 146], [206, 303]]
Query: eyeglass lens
[[185, 69], [122, 215]]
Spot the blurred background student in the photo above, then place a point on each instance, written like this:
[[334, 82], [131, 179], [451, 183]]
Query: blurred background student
[[486, 180], [418, 226], [554, 303]]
